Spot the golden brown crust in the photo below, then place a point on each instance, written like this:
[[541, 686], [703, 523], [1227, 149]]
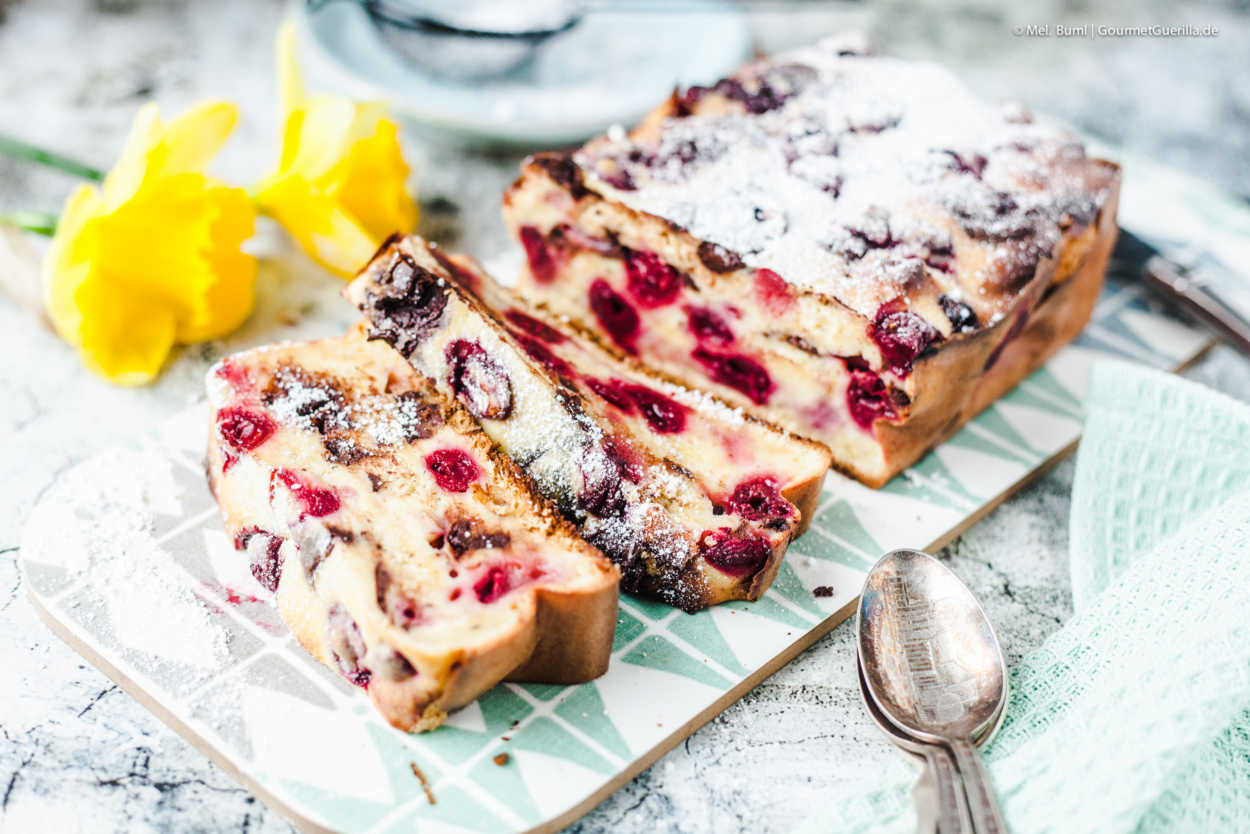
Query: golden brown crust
[[531, 645], [805, 495], [571, 628], [948, 384], [953, 385], [660, 543]]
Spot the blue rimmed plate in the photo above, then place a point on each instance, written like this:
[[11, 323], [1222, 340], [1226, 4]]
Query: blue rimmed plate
[[612, 67]]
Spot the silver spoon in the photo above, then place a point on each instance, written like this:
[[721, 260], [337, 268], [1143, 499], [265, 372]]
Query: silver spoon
[[947, 805], [938, 798], [933, 666]]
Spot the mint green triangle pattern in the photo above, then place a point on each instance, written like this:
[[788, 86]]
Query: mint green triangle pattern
[[932, 474], [788, 585], [584, 710], [500, 708], [700, 631], [397, 753], [1149, 352], [654, 652], [627, 628], [648, 608], [546, 736], [769, 608], [1022, 396], [1061, 399], [1090, 339], [505, 783], [838, 519], [967, 439], [543, 691], [337, 810], [1013, 444]]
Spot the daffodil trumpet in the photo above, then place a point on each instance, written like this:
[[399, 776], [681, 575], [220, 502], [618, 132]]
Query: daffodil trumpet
[[153, 257], [340, 187]]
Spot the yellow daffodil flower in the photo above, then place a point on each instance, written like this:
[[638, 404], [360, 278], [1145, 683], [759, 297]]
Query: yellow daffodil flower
[[153, 258], [340, 184]]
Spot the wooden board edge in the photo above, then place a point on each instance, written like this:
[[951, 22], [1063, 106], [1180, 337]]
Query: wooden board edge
[[182, 729], [637, 766], [707, 714], [811, 636]]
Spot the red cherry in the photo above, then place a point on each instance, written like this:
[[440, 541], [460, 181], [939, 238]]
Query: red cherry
[[542, 262], [243, 428], [492, 585], [453, 470], [615, 315], [315, 501], [651, 281]]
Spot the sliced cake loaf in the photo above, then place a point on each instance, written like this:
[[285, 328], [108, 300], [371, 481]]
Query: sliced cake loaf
[[403, 551], [694, 502], [850, 246]]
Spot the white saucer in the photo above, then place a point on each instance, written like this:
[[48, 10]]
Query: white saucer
[[611, 68]]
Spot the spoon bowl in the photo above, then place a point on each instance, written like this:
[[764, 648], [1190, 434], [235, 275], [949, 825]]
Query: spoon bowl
[[932, 664], [931, 659]]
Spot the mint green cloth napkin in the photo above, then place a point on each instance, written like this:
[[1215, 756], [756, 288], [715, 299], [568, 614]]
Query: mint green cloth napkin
[[1135, 716]]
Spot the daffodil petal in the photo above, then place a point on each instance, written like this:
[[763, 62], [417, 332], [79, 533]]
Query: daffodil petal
[[228, 299], [341, 183], [157, 258], [124, 181], [290, 80], [292, 130], [67, 262], [325, 136], [345, 247], [374, 184], [196, 136], [126, 339], [328, 234]]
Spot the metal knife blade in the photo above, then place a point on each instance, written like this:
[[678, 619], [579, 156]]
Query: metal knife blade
[[1205, 289]]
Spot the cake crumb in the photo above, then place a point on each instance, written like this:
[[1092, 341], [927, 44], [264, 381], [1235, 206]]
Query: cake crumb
[[425, 783], [822, 591], [501, 759]]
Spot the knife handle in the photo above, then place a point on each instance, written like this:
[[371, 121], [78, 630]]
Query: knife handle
[[1200, 300]]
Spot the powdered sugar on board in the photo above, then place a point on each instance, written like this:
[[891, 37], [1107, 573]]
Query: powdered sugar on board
[[264, 692], [101, 523]]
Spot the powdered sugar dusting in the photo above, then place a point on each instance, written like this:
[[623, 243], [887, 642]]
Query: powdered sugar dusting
[[100, 522], [845, 171]]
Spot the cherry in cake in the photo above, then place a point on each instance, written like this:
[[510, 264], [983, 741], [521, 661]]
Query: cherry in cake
[[403, 551], [848, 245], [693, 501]]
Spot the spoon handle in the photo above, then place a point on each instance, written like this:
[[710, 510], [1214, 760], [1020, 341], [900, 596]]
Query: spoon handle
[[986, 816], [952, 807]]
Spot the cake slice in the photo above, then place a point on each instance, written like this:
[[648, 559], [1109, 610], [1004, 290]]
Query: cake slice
[[403, 550], [850, 246], [693, 501]]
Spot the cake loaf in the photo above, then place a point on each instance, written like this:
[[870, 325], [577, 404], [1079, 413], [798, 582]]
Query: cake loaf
[[850, 246], [695, 502], [404, 552]]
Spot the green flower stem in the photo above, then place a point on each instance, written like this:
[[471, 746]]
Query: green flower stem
[[32, 221], [18, 149]]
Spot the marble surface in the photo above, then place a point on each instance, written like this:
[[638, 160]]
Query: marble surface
[[78, 754]]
